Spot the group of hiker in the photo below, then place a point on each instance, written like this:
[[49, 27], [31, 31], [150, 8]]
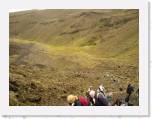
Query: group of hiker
[[99, 98]]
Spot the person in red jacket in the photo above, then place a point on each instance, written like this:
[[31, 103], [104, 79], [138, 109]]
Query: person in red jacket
[[77, 100]]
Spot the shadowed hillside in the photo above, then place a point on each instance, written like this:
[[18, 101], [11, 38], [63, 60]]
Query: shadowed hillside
[[54, 53]]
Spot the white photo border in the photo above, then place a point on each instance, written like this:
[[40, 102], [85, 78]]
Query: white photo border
[[141, 110]]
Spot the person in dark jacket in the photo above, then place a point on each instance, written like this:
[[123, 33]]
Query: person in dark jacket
[[129, 91], [101, 100]]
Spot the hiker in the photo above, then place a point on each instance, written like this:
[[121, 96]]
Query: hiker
[[100, 98], [129, 91], [73, 101], [77, 101], [91, 97]]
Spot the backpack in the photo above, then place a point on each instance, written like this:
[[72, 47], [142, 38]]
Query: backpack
[[84, 101], [101, 100]]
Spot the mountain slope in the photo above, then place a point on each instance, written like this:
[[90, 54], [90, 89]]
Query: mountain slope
[[54, 53], [95, 28]]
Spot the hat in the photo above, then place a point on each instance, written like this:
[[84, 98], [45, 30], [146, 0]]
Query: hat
[[71, 98], [92, 93]]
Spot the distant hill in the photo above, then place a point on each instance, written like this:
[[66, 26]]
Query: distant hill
[[65, 51], [108, 32]]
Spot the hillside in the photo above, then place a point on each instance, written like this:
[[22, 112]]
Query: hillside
[[54, 53]]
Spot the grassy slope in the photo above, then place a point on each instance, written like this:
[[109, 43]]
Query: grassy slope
[[62, 52]]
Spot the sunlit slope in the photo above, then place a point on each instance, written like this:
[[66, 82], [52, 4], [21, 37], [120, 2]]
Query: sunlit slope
[[106, 33], [42, 74]]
